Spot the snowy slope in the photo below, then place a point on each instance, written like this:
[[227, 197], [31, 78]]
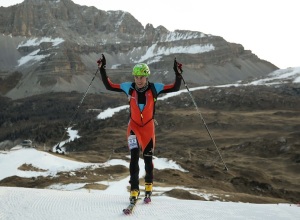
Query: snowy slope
[[38, 204], [73, 202]]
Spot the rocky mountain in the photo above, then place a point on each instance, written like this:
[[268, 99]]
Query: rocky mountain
[[52, 46]]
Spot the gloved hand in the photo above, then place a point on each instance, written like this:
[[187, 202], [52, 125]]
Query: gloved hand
[[177, 68], [102, 62]]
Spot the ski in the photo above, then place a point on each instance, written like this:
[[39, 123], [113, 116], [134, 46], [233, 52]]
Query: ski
[[130, 207], [147, 199]]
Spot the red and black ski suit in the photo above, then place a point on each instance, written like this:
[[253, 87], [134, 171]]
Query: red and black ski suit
[[141, 123]]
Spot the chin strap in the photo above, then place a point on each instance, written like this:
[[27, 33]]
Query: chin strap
[[143, 89]]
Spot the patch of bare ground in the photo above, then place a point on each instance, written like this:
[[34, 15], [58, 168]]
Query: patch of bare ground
[[30, 167], [182, 194]]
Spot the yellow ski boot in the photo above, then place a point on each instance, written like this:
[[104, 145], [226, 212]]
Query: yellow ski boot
[[134, 195], [148, 192]]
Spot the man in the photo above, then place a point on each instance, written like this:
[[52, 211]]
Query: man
[[141, 131]]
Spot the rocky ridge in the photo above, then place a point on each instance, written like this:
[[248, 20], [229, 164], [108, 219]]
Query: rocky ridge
[[54, 45]]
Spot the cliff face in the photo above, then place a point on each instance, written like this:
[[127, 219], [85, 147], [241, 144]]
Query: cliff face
[[55, 45]]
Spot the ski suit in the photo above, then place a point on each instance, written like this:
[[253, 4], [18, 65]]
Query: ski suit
[[141, 123]]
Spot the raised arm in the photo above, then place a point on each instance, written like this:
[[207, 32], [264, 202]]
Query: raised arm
[[109, 85], [177, 67]]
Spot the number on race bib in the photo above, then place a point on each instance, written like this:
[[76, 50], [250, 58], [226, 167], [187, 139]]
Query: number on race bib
[[132, 142]]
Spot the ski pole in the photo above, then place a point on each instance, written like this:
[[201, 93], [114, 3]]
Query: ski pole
[[75, 113], [225, 167]]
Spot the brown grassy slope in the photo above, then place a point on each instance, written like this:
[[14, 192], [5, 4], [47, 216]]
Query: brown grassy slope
[[255, 128]]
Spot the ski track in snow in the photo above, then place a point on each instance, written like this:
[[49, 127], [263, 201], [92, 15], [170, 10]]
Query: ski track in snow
[[38, 204]]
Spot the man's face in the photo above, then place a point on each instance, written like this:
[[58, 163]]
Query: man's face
[[140, 81]]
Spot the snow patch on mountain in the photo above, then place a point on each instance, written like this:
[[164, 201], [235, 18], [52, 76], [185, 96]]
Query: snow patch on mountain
[[37, 41]]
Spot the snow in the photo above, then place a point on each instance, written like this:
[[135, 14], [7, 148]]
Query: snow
[[73, 134], [42, 160], [280, 76], [22, 203], [111, 111], [33, 56], [174, 36], [71, 201], [156, 50], [38, 41], [52, 165]]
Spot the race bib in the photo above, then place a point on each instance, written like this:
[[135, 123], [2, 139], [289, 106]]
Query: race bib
[[132, 142]]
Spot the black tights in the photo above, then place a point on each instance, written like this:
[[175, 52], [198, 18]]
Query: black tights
[[134, 165]]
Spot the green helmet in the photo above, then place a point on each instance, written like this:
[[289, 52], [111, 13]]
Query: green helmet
[[141, 69]]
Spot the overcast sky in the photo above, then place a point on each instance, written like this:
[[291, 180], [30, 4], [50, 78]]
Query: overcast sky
[[270, 29]]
